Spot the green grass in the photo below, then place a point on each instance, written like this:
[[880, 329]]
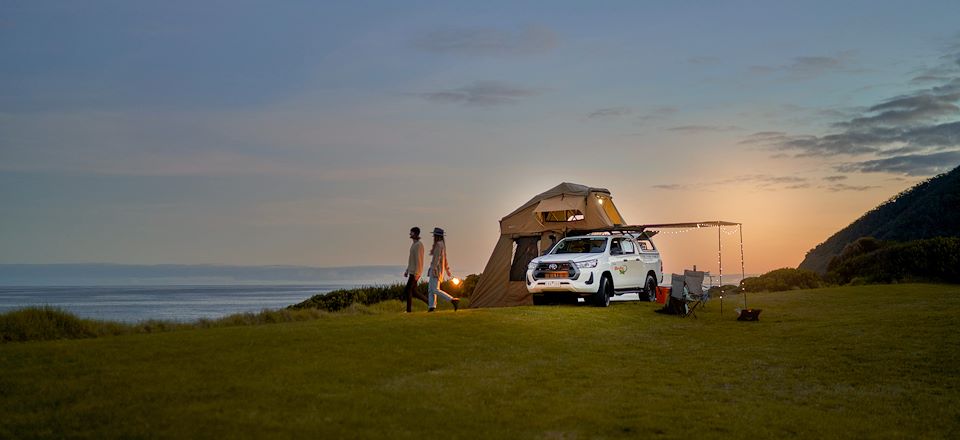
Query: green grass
[[851, 362]]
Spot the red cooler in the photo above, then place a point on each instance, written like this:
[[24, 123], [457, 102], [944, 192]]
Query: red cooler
[[663, 293]]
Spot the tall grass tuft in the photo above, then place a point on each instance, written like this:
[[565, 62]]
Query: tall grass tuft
[[43, 323], [46, 323]]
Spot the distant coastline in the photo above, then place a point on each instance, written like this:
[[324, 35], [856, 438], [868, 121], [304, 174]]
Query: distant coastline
[[107, 274]]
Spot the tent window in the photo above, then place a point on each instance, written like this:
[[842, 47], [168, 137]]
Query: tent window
[[570, 215], [527, 248]]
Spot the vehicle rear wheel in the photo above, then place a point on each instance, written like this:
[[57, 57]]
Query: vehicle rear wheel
[[650, 288], [604, 292]]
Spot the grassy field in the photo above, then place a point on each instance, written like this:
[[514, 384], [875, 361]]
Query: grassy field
[[852, 362]]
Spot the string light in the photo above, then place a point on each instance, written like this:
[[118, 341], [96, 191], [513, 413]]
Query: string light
[[727, 230]]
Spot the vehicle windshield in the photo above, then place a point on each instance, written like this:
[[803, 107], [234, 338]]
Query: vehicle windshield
[[582, 245]]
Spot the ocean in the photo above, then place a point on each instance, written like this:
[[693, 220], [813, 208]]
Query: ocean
[[172, 303]]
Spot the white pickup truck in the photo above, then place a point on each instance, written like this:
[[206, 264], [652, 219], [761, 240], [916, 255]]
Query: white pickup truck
[[596, 267]]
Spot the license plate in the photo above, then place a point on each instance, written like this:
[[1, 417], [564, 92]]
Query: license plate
[[555, 275]]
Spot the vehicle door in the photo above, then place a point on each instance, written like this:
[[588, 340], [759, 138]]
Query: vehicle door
[[649, 256], [619, 268], [635, 268]]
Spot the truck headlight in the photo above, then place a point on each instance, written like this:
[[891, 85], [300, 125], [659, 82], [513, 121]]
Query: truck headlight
[[587, 264], [532, 265]]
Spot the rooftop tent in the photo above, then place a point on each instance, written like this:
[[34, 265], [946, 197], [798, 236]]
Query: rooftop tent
[[526, 232]]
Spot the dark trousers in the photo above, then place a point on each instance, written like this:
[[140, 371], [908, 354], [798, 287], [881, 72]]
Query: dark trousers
[[410, 291]]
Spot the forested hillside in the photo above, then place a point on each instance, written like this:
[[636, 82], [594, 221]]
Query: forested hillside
[[929, 209]]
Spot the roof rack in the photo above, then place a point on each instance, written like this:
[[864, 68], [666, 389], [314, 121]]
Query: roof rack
[[632, 229], [635, 231]]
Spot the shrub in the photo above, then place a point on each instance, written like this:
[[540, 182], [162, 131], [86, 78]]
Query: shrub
[[42, 323], [856, 248], [340, 299], [782, 279], [934, 259]]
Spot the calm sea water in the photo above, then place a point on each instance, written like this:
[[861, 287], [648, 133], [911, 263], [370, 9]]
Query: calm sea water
[[174, 303]]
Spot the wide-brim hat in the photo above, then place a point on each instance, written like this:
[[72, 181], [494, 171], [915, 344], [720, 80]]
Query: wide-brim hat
[[438, 231]]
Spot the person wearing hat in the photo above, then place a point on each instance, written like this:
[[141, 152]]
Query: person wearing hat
[[414, 268], [439, 266]]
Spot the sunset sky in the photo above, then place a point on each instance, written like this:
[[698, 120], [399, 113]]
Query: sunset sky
[[316, 133]]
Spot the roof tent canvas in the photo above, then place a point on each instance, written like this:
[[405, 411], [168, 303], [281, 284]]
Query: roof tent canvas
[[563, 208]]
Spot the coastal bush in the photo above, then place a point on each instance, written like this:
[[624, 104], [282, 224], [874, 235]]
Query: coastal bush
[[856, 248], [782, 279], [340, 299], [42, 323], [46, 323], [934, 259]]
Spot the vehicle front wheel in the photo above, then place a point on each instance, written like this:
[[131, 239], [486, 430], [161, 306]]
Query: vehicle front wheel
[[650, 288], [604, 292]]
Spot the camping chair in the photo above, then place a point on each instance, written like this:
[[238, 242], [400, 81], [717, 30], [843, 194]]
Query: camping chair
[[677, 304], [686, 293], [695, 294]]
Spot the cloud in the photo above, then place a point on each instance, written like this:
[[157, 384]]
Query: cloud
[[911, 165], [671, 186], [489, 41], [704, 60], [757, 181], [482, 93], [902, 133], [703, 128], [908, 110], [764, 137], [766, 182], [658, 113], [928, 78], [611, 112], [838, 187], [807, 67], [874, 140]]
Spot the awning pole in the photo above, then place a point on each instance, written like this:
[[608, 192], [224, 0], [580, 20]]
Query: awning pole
[[743, 273], [720, 256]]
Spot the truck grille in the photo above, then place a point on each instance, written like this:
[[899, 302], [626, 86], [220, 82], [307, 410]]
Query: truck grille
[[563, 270], [554, 266]]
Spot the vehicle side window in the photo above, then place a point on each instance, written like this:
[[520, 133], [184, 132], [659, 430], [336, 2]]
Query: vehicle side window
[[615, 248], [645, 245], [628, 247]]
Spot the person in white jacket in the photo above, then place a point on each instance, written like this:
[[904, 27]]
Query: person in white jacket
[[439, 266]]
